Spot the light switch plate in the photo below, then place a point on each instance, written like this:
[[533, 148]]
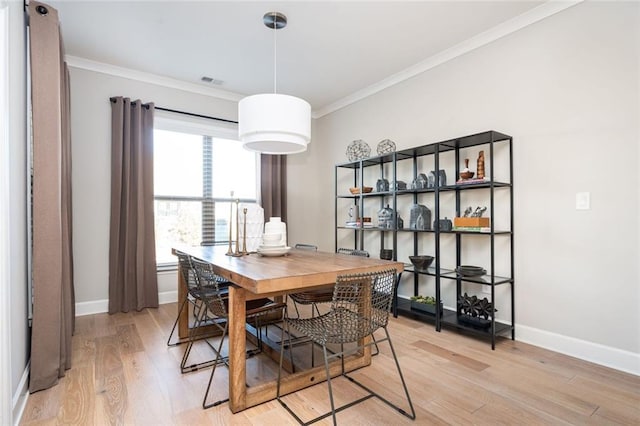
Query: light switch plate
[[583, 201]]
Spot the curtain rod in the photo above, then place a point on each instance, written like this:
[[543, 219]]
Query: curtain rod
[[113, 99], [196, 115]]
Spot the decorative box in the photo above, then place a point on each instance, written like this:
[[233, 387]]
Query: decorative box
[[399, 185], [445, 224], [476, 222]]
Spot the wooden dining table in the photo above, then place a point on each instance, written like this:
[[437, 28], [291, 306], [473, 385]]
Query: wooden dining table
[[255, 276]]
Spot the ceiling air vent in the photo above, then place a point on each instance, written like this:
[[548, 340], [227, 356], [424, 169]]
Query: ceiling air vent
[[212, 80]]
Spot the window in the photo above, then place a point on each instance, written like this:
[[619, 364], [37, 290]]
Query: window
[[196, 166]]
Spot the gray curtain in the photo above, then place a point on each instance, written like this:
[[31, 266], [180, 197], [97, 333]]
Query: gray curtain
[[52, 267], [133, 282], [273, 191]]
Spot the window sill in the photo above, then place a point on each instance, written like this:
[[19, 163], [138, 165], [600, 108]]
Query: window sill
[[167, 267]]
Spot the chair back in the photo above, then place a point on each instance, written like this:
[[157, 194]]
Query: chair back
[[361, 305], [306, 247], [210, 291], [187, 271], [353, 252]]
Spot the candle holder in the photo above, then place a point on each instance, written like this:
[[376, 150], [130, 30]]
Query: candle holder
[[244, 231], [237, 252], [230, 250]]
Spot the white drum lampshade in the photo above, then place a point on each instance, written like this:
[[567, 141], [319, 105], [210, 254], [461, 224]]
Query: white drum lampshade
[[274, 123]]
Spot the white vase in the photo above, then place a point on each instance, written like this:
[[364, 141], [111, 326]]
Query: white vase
[[255, 224], [276, 226]]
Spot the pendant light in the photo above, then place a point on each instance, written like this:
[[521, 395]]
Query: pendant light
[[273, 123]]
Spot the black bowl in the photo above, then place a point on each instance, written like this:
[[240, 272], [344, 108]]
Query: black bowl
[[421, 262], [470, 271]]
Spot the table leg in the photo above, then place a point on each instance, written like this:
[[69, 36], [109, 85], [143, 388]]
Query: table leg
[[237, 348]]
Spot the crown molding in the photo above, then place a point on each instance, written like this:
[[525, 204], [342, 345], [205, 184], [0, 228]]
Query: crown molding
[[508, 27], [87, 64]]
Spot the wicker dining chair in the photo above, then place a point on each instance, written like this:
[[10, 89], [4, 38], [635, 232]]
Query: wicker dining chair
[[314, 297], [306, 246], [215, 312], [360, 305], [310, 297], [323, 295], [193, 294], [353, 252]]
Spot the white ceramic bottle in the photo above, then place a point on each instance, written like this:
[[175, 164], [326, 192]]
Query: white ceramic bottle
[[275, 226]]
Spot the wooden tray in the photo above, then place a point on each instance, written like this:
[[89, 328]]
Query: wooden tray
[[365, 190]]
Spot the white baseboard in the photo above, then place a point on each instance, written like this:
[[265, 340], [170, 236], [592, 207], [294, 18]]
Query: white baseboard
[[102, 306], [168, 297], [93, 307], [618, 359], [21, 396]]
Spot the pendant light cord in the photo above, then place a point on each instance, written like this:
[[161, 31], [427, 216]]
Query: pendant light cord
[[275, 55]]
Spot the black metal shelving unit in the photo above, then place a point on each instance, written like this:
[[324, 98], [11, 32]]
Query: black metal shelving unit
[[440, 275]]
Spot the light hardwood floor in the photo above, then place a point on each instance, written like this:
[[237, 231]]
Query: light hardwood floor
[[123, 373]]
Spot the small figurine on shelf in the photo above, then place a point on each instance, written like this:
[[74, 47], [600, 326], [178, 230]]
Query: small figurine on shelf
[[466, 173], [352, 219], [385, 217], [420, 218], [479, 211], [382, 185], [480, 174]]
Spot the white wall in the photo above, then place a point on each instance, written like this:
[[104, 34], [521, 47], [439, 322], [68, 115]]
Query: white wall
[[17, 244], [309, 182], [5, 301], [91, 157], [567, 90]]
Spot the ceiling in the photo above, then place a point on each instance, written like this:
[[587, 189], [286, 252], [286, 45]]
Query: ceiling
[[329, 51]]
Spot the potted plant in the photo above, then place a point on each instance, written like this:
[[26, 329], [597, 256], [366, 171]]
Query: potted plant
[[425, 304]]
